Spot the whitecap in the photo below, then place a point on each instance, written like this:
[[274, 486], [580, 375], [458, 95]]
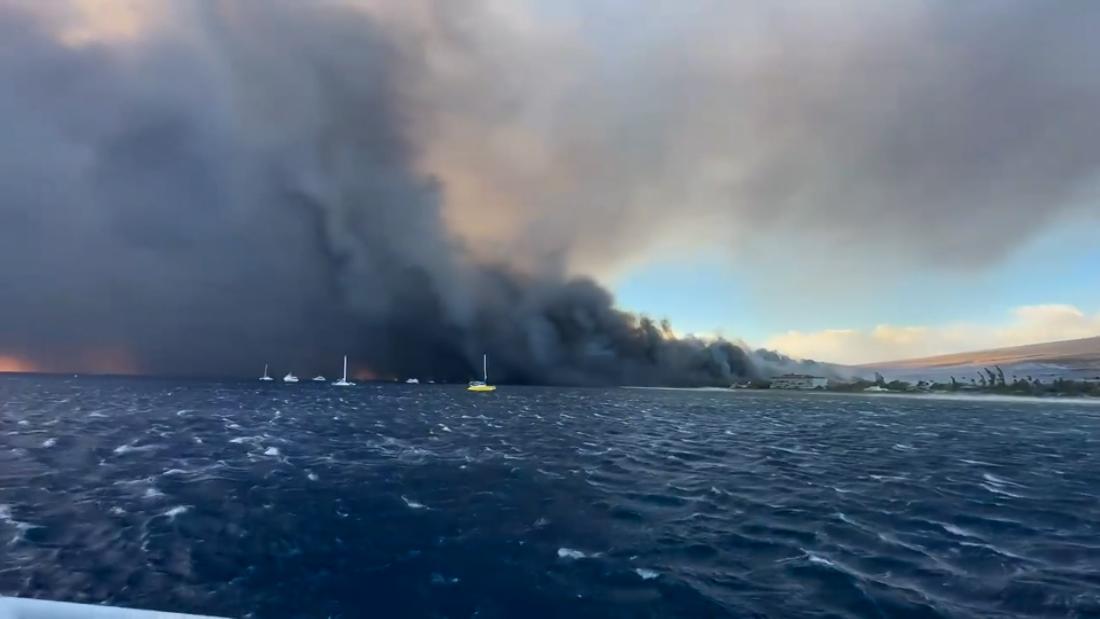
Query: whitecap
[[271, 451], [312, 476], [844, 518], [23, 422], [818, 559], [50, 442], [152, 493], [996, 549], [998, 481], [569, 553], [176, 511], [413, 504], [444, 428], [175, 472], [998, 490], [955, 530], [977, 462], [20, 527], [646, 574], [118, 511], [127, 448]]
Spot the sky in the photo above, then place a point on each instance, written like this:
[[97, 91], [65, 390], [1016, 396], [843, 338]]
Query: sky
[[1046, 291], [205, 186]]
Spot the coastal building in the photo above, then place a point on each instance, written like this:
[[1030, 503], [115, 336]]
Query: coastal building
[[799, 381]]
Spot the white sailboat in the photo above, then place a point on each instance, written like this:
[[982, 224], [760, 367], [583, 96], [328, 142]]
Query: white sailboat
[[319, 379], [290, 378], [343, 382], [412, 381], [265, 377], [482, 386]]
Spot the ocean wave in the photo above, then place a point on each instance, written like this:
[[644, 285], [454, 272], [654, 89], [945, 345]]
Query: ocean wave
[[773, 504]]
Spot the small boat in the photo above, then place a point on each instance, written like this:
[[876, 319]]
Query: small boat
[[343, 382], [412, 381], [265, 377], [319, 379], [290, 378], [482, 386]]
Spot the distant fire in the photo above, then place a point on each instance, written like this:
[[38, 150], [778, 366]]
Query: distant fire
[[9, 363], [363, 374], [97, 361]]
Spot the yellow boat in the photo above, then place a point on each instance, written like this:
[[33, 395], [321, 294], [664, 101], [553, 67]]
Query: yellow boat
[[482, 386]]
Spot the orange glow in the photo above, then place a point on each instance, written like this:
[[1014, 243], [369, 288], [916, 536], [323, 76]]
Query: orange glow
[[363, 374], [10, 363], [95, 21], [108, 361]]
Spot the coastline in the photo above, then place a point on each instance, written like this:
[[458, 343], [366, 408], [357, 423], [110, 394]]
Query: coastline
[[981, 397]]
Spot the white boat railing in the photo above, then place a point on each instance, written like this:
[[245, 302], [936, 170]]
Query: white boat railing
[[26, 608]]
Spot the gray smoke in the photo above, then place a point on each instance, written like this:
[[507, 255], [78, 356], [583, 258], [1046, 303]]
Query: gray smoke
[[415, 183], [239, 189], [937, 134]]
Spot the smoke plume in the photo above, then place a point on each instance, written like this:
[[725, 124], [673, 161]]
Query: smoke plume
[[203, 187], [234, 184]]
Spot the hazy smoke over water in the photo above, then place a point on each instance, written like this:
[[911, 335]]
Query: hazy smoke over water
[[202, 187]]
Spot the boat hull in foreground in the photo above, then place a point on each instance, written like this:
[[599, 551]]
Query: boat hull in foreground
[[26, 608]]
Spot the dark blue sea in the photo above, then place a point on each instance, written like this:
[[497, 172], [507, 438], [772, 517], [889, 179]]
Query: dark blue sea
[[252, 500]]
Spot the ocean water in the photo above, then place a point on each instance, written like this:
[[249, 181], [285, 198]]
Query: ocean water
[[253, 500]]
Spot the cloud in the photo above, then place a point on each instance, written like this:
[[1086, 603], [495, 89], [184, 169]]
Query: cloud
[[1029, 324]]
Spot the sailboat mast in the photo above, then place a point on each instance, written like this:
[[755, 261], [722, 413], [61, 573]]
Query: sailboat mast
[[345, 368], [485, 367]]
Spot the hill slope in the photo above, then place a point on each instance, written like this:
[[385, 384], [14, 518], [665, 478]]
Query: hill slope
[[1066, 359]]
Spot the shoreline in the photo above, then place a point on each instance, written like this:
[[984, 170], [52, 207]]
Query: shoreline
[[983, 397]]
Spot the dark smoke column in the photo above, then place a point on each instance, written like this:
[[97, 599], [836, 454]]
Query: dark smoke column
[[235, 188]]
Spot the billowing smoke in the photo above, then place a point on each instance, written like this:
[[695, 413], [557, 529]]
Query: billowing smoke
[[202, 187], [239, 188], [825, 136]]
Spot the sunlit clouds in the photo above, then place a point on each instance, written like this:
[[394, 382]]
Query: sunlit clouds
[[1030, 324]]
